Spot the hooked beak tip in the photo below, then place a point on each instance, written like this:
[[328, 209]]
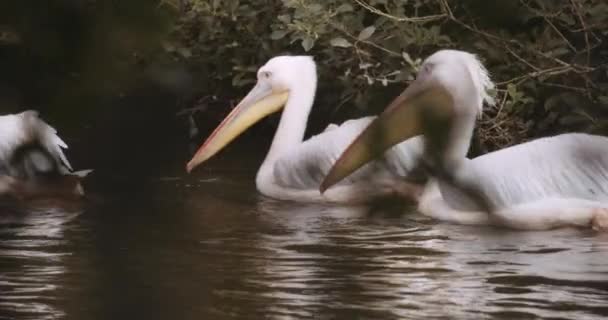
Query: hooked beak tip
[[322, 188], [189, 167]]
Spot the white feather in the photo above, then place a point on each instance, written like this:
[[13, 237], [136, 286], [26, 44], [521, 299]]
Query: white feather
[[27, 127]]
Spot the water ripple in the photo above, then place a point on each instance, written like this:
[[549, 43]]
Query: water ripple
[[31, 264], [224, 253]]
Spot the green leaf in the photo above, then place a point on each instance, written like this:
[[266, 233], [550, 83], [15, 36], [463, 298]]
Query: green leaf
[[169, 47], [558, 52], [408, 59], [567, 19], [572, 120], [307, 44], [344, 8], [340, 42], [184, 52], [285, 18], [366, 33], [315, 8], [512, 90], [364, 65], [278, 34]]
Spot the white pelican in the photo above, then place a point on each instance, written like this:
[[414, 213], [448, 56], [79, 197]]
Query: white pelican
[[547, 183], [32, 163], [293, 168]]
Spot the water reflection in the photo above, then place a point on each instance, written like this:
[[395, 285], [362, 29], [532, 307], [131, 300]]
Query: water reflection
[[210, 247], [32, 251], [310, 260]]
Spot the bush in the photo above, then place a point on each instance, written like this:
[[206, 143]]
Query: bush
[[547, 57]]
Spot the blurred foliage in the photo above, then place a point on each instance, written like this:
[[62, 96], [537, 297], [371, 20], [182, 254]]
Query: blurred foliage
[[58, 55], [548, 57]]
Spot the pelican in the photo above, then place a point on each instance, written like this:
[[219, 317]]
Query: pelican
[[32, 163], [547, 183], [293, 168]]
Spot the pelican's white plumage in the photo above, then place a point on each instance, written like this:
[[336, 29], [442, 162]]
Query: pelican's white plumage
[[297, 174], [293, 168], [546, 183], [17, 130], [543, 184], [34, 171], [572, 165], [35, 174]]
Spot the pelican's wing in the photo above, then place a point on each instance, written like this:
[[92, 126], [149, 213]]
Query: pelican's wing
[[306, 166], [48, 138], [564, 166], [11, 135], [26, 127]]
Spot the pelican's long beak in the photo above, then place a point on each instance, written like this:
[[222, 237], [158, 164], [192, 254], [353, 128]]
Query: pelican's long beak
[[407, 116], [258, 103]]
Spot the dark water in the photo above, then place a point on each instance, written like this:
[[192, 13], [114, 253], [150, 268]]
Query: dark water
[[208, 247]]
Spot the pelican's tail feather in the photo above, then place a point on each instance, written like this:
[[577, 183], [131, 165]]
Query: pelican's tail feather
[[46, 136]]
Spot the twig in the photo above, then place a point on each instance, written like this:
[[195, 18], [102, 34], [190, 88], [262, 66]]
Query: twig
[[353, 37], [563, 86], [576, 68], [587, 44], [502, 103], [401, 19], [584, 25], [522, 59], [559, 33], [550, 71]]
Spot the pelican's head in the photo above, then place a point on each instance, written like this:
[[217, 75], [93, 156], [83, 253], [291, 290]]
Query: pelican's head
[[276, 79], [461, 74], [446, 97]]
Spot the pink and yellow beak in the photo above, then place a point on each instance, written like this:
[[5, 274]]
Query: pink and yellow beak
[[407, 116], [257, 104]]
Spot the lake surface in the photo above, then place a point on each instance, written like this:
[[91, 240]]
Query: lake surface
[[208, 246]]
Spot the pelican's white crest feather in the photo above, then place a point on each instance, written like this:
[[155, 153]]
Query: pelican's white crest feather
[[481, 79], [477, 72]]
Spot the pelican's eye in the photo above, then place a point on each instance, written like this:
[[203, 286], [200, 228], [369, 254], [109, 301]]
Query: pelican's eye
[[424, 71], [265, 75]]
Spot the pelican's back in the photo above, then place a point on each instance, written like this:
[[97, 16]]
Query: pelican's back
[[563, 166], [306, 167]]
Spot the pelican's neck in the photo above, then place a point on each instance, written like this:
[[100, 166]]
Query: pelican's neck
[[460, 140], [292, 126], [455, 161]]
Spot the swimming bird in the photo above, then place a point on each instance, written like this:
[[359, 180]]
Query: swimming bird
[[32, 162], [293, 168], [546, 183]]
